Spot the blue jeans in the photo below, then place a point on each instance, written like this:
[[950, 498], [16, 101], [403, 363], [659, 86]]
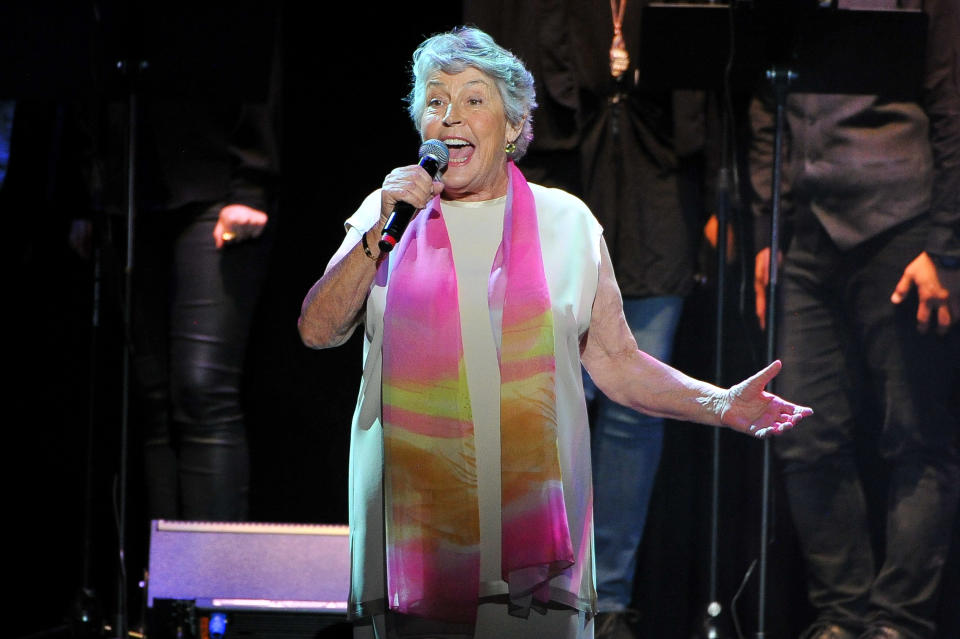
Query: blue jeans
[[626, 449]]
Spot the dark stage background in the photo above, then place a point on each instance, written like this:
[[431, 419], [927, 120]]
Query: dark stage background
[[344, 127]]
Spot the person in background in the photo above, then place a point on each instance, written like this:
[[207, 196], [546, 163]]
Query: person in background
[[870, 300], [207, 176]]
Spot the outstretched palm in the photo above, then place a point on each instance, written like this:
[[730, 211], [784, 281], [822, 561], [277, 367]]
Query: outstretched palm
[[752, 410]]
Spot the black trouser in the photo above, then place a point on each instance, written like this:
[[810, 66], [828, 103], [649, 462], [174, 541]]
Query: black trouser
[[843, 342], [192, 316]]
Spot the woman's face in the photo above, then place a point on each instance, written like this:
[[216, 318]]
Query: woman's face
[[464, 110]]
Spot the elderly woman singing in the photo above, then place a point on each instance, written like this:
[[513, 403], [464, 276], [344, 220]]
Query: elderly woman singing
[[470, 495]]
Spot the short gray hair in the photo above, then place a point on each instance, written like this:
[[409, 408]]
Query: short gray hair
[[464, 47]]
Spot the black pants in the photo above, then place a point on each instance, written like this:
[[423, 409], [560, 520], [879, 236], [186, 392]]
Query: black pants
[[193, 309], [849, 352]]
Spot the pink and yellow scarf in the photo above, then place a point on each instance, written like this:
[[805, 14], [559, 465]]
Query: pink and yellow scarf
[[432, 519]]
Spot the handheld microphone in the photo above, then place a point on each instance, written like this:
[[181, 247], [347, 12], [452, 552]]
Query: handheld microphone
[[433, 158]]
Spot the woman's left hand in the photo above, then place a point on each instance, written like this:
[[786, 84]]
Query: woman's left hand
[[752, 410], [237, 223]]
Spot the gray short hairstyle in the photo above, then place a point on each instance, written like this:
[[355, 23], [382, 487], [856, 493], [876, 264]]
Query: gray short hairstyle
[[464, 47]]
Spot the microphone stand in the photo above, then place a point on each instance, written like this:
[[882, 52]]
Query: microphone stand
[[780, 79], [121, 619], [119, 628], [725, 180], [684, 63]]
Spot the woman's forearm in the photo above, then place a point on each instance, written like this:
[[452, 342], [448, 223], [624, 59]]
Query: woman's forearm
[[332, 308], [640, 381]]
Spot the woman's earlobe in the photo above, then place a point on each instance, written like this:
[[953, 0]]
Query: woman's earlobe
[[514, 132]]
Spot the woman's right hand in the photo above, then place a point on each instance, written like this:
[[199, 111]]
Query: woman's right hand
[[410, 184]]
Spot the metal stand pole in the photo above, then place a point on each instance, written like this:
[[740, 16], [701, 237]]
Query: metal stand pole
[[780, 79]]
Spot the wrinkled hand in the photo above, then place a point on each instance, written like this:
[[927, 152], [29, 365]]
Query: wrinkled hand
[[938, 293], [411, 184], [237, 223], [752, 410]]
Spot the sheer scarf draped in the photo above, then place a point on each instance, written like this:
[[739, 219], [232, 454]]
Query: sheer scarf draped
[[430, 482]]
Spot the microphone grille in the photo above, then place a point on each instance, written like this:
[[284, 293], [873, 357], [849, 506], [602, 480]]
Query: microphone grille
[[437, 149]]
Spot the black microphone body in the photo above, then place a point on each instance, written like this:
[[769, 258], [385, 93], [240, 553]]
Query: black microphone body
[[433, 159]]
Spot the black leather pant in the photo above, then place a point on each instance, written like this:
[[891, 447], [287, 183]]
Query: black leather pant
[[193, 311], [847, 348]]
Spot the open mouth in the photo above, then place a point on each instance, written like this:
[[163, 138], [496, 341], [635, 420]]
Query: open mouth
[[460, 151]]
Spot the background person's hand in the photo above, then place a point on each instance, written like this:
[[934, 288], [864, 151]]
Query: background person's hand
[[761, 279], [938, 293], [237, 223]]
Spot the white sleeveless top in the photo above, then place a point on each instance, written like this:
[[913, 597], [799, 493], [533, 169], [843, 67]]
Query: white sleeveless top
[[570, 240]]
